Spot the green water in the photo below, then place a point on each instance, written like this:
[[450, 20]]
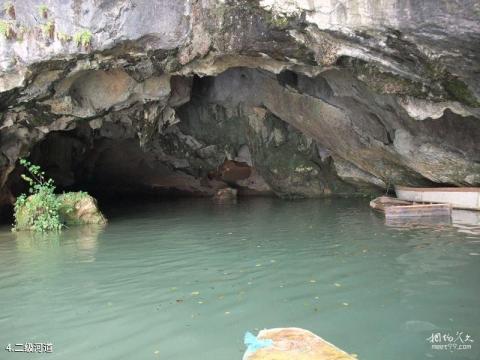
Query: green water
[[184, 280]]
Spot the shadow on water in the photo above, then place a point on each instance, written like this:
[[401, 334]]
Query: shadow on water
[[80, 242]]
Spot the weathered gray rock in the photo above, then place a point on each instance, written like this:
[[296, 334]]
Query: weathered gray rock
[[315, 97]]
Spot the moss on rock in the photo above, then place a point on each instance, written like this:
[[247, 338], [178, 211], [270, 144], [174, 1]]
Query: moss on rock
[[439, 85], [459, 91], [384, 82], [79, 208]]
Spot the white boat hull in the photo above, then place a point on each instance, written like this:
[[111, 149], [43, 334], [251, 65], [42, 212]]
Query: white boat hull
[[459, 198]]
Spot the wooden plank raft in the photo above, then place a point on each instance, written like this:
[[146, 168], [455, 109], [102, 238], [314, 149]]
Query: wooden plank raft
[[395, 208]]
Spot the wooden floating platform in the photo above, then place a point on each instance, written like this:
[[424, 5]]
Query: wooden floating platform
[[382, 202], [395, 208], [460, 198]]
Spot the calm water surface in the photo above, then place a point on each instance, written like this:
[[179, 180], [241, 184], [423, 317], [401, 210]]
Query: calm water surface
[[184, 280]]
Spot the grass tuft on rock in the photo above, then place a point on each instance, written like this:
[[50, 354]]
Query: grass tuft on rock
[[83, 38], [43, 11], [7, 29], [79, 208], [48, 29]]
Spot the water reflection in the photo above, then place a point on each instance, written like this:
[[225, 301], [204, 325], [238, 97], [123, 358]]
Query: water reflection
[[464, 221], [80, 242], [438, 222]]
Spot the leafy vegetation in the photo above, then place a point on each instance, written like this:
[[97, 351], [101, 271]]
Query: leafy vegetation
[[7, 30], [3, 27], [43, 11], [40, 210], [83, 38], [49, 29]]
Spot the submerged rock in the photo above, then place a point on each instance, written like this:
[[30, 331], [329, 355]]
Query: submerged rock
[[295, 343], [226, 195]]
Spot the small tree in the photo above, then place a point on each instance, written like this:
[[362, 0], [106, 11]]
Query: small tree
[[38, 211]]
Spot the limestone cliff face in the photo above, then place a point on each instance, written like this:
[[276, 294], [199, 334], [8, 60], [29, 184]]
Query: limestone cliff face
[[314, 97]]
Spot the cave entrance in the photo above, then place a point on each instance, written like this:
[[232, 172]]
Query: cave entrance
[[120, 169], [198, 135], [175, 136], [114, 168]]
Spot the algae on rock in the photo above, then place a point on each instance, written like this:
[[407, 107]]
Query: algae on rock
[[79, 208]]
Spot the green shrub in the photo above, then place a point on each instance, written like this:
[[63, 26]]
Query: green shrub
[[7, 29], [43, 11], [83, 38], [48, 29], [40, 210]]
